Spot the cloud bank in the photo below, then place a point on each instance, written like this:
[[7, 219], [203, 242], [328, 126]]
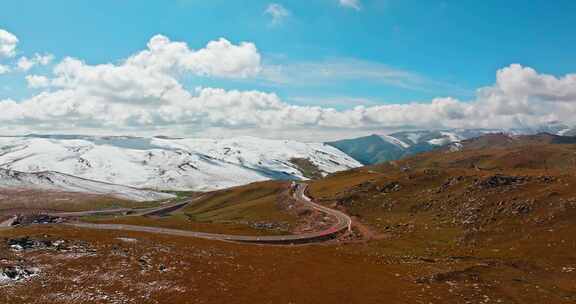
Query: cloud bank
[[143, 94]]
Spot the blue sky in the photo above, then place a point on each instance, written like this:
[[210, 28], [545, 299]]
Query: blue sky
[[384, 52], [457, 43]]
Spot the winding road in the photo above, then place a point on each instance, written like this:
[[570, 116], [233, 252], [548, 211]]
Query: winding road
[[343, 223], [133, 212]]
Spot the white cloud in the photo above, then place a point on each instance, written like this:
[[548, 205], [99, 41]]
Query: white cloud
[[8, 43], [25, 63], [4, 69], [277, 12], [143, 95], [109, 83], [37, 81], [354, 4], [219, 58]]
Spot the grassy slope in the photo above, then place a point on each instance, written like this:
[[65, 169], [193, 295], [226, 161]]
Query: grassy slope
[[254, 202], [231, 211], [454, 207]]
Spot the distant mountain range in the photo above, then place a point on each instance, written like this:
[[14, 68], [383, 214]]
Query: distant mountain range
[[79, 163], [55, 181], [172, 164], [375, 149]]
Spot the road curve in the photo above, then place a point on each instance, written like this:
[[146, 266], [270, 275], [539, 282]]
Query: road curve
[[343, 223], [135, 212]]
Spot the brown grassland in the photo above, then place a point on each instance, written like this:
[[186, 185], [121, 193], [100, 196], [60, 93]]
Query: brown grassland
[[492, 223], [27, 201]]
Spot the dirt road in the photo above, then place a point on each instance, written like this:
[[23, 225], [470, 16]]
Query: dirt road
[[135, 212], [343, 223]]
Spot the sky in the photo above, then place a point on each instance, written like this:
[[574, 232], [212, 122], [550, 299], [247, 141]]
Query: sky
[[305, 70]]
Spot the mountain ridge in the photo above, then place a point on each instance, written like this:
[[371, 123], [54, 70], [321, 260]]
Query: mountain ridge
[[376, 148], [171, 164]]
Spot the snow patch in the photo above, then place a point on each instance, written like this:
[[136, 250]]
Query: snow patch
[[414, 137], [447, 138], [395, 141]]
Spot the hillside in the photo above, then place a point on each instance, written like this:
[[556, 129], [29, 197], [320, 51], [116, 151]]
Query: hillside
[[369, 149], [55, 181], [376, 149], [254, 209], [499, 212], [172, 164]]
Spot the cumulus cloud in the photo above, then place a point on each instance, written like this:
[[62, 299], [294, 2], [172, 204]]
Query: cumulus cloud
[[143, 94], [8, 43], [4, 69], [141, 91], [219, 58], [277, 12], [354, 4], [25, 63]]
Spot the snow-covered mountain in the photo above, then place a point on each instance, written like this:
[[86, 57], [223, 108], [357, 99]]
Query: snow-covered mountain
[[171, 164], [381, 148], [55, 181]]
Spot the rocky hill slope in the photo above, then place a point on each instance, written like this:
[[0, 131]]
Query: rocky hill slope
[[497, 213]]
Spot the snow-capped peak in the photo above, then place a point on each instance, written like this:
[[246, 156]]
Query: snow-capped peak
[[172, 164]]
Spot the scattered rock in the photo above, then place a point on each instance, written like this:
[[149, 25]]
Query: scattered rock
[[17, 273], [389, 187], [127, 240], [145, 263], [27, 243], [450, 182], [470, 274], [499, 180], [37, 219]]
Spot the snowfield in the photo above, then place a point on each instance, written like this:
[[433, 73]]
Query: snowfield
[[169, 164], [55, 181]]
